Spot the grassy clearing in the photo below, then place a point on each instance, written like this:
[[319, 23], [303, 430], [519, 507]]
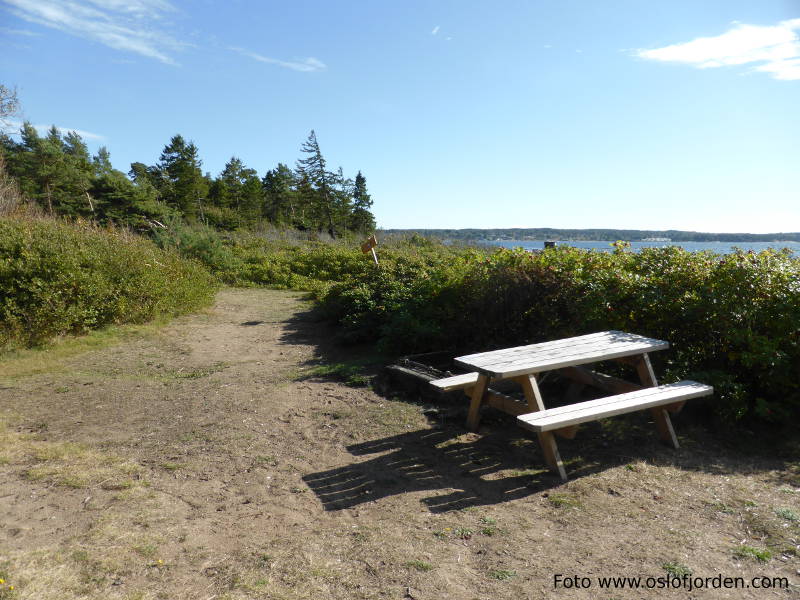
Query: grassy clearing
[[63, 463], [51, 356]]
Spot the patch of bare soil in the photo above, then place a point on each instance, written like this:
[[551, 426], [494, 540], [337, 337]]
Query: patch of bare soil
[[215, 459]]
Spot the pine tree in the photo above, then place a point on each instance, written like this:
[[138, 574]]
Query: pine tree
[[181, 182], [54, 171], [361, 219], [102, 162], [313, 168], [280, 196], [236, 196]]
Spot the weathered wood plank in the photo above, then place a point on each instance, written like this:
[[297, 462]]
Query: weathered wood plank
[[592, 410], [535, 358], [456, 382]]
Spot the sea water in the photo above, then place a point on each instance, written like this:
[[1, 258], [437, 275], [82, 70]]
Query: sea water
[[718, 247]]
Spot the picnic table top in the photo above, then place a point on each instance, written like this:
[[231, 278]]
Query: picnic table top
[[567, 352]]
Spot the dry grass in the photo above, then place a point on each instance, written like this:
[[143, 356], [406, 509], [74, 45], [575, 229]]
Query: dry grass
[[67, 464]]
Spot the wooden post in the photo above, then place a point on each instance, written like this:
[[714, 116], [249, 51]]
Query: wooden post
[[551, 455], [661, 417], [532, 394], [645, 370], [478, 393], [369, 246]]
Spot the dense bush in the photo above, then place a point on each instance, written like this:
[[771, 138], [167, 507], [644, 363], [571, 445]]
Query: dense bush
[[60, 278], [733, 320]]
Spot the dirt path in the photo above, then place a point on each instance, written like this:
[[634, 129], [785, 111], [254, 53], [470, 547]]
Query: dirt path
[[207, 462]]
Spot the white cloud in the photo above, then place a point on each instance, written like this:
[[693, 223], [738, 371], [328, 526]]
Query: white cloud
[[25, 32], [305, 65], [120, 24], [42, 130], [150, 9], [777, 47], [435, 30], [783, 69]]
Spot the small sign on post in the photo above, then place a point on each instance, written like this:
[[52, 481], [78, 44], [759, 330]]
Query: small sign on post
[[369, 246]]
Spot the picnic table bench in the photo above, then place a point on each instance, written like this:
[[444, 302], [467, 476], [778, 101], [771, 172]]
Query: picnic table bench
[[526, 364]]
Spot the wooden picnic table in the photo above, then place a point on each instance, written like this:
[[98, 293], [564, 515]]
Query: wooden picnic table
[[526, 364]]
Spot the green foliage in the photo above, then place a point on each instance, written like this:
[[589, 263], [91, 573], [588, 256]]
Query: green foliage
[[788, 514], [676, 569], [733, 321], [759, 554], [57, 173], [502, 574], [58, 278]]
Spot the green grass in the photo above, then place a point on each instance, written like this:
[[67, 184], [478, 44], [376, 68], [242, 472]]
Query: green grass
[[420, 565], [560, 500], [676, 569], [502, 574], [787, 514], [759, 554]]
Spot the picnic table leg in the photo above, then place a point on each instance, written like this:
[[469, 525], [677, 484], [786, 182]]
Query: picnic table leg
[[532, 394], [664, 426], [660, 415], [551, 456], [645, 370], [478, 396]]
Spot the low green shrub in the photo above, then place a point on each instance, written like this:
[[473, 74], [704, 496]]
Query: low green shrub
[[733, 320], [58, 277]]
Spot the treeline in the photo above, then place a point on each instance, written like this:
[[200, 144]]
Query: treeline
[[57, 172], [631, 235]]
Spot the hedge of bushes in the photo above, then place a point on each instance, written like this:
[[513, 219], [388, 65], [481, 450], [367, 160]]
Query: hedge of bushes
[[733, 320], [58, 278]]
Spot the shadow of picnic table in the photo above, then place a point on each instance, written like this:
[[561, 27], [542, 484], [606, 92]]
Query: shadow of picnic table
[[460, 469]]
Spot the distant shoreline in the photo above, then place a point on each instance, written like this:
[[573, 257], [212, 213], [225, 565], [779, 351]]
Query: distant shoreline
[[588, 235]]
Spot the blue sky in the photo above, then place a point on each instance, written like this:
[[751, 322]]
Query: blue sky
[[559, 113]]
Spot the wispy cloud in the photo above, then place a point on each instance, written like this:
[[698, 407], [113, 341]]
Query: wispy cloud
[[15, 126], [120, 24], [305, 65], [775, 47], [25, 32], [435, 30]]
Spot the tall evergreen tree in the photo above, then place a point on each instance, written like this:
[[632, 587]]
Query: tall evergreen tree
[[54, 171], [313, 167], [182, 184], [280, 196], [102, 162], [361, 219]]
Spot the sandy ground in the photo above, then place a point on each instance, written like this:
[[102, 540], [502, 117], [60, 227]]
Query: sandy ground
[[210, 460]]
